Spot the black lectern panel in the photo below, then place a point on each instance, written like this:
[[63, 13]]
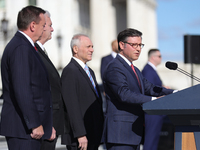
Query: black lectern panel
[[184, 102]]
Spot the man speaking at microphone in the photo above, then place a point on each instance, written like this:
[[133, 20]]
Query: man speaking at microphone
[[126, 89]]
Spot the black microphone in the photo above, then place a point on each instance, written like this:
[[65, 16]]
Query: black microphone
[[174, 66], [171, 65]]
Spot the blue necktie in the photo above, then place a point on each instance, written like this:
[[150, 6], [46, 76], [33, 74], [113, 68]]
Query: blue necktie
[[91, 79]]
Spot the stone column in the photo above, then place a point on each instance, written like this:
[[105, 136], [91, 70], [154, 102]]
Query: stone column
[[141, 15], [102, 21]]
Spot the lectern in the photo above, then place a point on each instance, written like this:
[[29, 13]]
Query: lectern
[[183, 109]]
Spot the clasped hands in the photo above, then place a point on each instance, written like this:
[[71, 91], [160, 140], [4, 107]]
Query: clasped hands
[[38, 132]]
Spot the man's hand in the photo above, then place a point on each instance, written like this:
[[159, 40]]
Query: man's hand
[[167, 87], [83, 142], [53, 134], [161, 96], [37, 133]]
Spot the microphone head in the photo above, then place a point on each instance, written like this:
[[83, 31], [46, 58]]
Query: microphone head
[[171, 65]]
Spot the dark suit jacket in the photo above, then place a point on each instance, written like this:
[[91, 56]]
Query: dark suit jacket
[[26, 90], [57, 101], [153, 123], [104, 62], [83, 105], [151, 75], [125, 117]]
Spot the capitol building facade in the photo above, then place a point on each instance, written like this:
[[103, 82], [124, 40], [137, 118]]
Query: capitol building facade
[[101, 20]]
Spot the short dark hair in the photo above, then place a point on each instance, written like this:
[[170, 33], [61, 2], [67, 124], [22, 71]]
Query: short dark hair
[[27, 15], [123, 35], [151, 51]]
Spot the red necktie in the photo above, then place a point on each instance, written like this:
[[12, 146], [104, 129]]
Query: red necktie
[[35, 48], [135, 74]]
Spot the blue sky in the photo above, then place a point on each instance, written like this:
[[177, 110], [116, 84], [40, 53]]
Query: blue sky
[[175, 19]]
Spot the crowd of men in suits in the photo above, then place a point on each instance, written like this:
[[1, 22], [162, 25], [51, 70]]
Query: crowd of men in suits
[[39, 105]]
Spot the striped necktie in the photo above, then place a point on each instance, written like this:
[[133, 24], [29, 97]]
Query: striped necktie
[[91, 79]]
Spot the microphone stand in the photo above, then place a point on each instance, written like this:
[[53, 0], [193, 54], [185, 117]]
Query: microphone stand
[[174, 66], [188, 74], [192, 82]]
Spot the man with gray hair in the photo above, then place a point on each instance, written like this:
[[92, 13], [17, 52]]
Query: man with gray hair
[[55, 83], [82, 98]]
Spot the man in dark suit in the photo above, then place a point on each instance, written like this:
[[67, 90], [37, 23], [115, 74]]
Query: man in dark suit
[[82, 98], [126, 91], [107, 59], [55, 82], [26, 115], [153, 123]]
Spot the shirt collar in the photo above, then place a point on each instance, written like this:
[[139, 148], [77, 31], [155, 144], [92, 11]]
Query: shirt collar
[[114, 54], [40, 44], [128, 62], [82, 64], [30, 40], [152, 65]]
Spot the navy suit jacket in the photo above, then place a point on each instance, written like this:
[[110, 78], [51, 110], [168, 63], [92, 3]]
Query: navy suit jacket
[[83, 105], [124, 116], [104, 63], [26, 91], [57, 101], [151, 75]]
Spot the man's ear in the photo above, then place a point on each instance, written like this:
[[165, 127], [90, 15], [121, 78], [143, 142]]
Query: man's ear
[[121, 45], [32, 26], [75, 49]]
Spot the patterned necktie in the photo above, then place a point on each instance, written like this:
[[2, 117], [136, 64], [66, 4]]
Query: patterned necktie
[[91, 79], [136, 74]]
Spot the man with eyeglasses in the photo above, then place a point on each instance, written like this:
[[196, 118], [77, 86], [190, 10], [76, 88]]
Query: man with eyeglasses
[[153, 123], [149, 70], [126, 91]]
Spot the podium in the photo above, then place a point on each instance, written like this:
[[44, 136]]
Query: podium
[[183, 109]]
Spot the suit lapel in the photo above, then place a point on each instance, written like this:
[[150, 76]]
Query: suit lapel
[[45, 56], [41, 51], [158, 78], [131, 71], [32, 49], [84, 74]]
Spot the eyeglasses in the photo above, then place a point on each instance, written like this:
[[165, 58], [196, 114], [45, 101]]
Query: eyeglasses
[[135, 45], [158, 56]]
